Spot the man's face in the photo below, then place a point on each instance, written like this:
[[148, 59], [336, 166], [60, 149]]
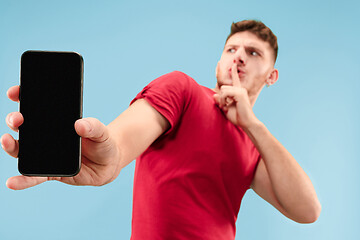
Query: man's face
[[254, 59]]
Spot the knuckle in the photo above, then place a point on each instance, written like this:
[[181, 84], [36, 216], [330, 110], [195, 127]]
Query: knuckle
[[93, 121]]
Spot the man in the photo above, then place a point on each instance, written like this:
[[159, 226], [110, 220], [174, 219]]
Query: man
[[198, 149]]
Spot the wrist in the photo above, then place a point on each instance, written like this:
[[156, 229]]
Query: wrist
[[252, 124], [253, 127]]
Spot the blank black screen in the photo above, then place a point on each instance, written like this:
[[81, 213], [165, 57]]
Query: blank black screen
[[50, 102]]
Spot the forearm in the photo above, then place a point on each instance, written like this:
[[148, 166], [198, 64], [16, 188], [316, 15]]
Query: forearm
[[291, 186], [136, 129]]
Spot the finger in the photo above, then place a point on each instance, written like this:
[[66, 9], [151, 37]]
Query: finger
[[225, 99], [235, 76], [229, 92], [14, 120], [13, 93], [235, 94], [10, 145], [228, 95], [22, 182], [216, 98], [219, 99], [92, 129]]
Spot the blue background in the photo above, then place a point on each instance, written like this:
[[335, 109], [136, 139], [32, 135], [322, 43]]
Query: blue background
[[313, 110]]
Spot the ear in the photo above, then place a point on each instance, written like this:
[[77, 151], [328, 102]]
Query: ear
[[273, 77]]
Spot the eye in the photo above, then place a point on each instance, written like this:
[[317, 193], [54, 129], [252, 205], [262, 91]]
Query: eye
[[254, 53], [231, 50]]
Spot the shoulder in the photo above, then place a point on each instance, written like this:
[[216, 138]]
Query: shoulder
[[175, 78], [175, 82], [169, 94]]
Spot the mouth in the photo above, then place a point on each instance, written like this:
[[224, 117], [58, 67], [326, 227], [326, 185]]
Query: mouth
[[239, 71]]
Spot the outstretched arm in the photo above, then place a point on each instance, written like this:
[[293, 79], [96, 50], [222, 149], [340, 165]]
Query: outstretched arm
[[105, 149]]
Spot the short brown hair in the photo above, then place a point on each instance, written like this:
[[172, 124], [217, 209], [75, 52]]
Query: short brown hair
[[259, 29]]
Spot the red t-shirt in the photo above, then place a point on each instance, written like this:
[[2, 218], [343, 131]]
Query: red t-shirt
[[189, 183]]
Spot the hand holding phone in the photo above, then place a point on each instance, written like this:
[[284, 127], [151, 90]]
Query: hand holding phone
[[99, 154]]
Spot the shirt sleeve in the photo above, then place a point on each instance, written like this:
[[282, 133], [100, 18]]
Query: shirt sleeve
[[169, 95]]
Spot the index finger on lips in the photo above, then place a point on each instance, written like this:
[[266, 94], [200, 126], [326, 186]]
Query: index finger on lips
[[235, 76]]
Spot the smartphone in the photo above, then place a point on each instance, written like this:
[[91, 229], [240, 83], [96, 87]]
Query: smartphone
[[51, 86]]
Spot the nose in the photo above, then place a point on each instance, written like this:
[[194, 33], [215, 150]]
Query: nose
[[240, 57]]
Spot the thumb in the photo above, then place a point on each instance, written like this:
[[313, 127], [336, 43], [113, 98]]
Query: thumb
[[22, 182], [92, 129]]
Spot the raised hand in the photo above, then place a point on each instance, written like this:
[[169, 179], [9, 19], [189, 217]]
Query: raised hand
[[234, 101]]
